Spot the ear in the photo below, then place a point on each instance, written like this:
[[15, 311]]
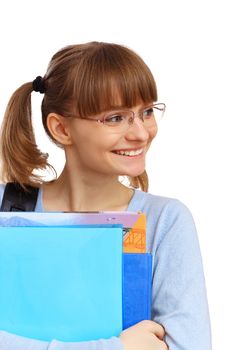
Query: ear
[[59, 128]]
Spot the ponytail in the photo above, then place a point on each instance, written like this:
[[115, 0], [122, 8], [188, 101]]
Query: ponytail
[[20, 156]]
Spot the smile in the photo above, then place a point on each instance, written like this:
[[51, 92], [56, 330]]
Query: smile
[[129, 153]]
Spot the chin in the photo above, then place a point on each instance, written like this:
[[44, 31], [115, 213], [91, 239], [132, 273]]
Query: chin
[[134, 173]]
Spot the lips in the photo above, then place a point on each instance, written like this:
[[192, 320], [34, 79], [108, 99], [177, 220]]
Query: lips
[[129, 153]]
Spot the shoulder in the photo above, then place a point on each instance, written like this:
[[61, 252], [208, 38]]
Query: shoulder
[[169, 220], [29, 197], [157, 207]]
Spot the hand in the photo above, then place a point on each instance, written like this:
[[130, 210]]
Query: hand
[[145, 335]]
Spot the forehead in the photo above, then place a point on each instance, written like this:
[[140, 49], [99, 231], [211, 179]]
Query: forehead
[[105, 92], [118, 100]]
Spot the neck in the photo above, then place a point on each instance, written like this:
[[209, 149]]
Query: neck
[[74, 192]]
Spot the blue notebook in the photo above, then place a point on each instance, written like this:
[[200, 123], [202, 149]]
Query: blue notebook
[[137, 283], [46, 303]]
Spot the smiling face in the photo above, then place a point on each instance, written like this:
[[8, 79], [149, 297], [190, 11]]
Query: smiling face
[[84, 81], [98, 148]]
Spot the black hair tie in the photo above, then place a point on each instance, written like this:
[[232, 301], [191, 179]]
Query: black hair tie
[[38, 85]]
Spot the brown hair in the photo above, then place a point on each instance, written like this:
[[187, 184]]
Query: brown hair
[[81, 80]]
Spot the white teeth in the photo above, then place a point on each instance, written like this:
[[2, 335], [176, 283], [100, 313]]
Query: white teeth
[[130, 153]]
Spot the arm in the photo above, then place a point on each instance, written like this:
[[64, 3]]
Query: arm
[[144, 335], [13, 342], [179, 294]]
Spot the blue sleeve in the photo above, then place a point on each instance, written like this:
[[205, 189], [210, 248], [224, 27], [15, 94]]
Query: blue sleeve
[[179, 293], [13, 342]]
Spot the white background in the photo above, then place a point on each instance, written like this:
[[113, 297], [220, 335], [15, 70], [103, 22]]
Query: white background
[[188, 46]]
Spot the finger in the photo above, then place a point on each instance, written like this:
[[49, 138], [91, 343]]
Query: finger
[[154, 328]]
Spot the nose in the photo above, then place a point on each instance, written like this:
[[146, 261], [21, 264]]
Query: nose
[[137, 130]]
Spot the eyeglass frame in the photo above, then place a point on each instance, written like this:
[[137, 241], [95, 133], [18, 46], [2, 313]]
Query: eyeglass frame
[[134, 114]]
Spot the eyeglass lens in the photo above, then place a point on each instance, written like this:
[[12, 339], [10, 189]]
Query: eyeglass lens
[[122, 120]]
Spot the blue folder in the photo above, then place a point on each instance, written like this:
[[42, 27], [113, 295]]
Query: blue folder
[[78, 298], [137, 282]]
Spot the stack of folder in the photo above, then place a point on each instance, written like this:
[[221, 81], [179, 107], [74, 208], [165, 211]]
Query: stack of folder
[[73, 276]]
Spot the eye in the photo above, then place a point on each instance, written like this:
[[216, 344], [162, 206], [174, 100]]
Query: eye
[[148, 113], [114, 119]]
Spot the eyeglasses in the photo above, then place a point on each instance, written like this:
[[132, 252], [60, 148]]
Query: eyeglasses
[[120, 121]]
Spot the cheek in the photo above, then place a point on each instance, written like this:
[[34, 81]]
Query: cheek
[[153, 133]]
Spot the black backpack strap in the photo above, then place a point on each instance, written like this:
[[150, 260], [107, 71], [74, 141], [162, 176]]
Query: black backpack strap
[[16, 198]]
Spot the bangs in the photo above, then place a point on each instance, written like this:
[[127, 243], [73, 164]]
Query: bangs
[[109, 77]]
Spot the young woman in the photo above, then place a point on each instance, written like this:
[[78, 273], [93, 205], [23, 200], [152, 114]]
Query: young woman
[[100, 105]]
